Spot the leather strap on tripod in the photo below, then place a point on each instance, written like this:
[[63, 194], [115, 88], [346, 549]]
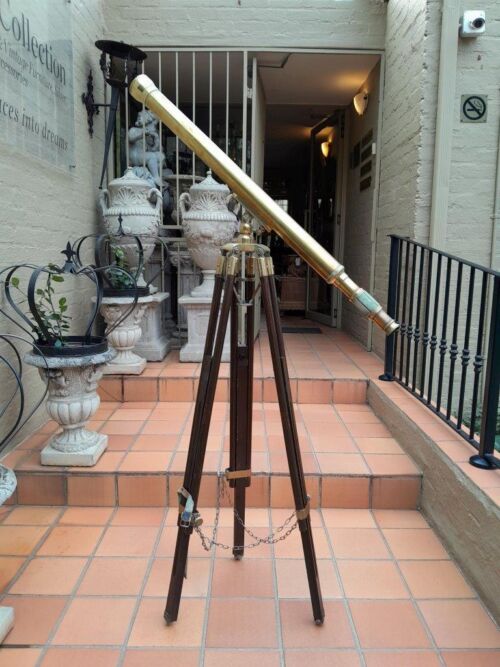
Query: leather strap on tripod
[[237, 474]]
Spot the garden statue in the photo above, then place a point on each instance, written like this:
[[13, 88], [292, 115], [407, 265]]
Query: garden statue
[[145, 145]]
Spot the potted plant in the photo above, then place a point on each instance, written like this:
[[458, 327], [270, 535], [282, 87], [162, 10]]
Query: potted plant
[[69, 356]]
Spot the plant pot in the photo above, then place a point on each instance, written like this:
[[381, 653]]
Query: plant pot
[[72, 401]]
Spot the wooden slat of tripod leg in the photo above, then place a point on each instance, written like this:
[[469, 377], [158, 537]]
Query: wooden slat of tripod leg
[[199, 433], [241, 378], [277, 347]]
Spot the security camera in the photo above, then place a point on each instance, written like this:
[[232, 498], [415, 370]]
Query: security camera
[[472, 23]]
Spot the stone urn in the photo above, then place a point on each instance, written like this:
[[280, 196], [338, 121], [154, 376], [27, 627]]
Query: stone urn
[[139, 205], [8, 483], [72, 401], [208, 224], [127, 334]]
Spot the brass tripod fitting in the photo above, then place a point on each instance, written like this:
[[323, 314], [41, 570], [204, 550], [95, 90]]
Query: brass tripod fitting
[[245, 235]]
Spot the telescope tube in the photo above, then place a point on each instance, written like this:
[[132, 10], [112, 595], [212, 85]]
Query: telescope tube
[[258, 202]]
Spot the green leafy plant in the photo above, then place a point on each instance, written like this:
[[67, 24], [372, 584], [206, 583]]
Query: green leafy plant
[[119, 278], [53, 311], [466, 420]]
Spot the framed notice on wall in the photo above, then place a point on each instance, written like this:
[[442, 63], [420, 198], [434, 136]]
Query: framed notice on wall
[[36, 79]]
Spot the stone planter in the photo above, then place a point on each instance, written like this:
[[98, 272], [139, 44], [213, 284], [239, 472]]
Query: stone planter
[[72, 401], [208, 224], [8, 485], [139, 206], [126, 335]]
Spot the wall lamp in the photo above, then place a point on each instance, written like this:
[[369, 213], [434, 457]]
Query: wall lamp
[[360, 102], [326, 148], [119, 63]]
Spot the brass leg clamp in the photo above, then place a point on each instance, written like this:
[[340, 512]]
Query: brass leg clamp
[[188, 517], [304, 512]]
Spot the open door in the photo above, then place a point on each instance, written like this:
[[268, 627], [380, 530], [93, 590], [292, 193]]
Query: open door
[[324, 219]]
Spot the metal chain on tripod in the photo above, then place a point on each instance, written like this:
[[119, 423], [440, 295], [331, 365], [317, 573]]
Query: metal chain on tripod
[[274, 537]]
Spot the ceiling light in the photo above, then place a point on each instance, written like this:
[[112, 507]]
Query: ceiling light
[[360, 102]]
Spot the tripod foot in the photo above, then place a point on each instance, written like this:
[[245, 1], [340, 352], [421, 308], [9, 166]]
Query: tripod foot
[[237, 556], [318, 621], [168, 619]]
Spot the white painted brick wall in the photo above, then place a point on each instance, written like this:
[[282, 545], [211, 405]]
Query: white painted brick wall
[[401, 133], [43, 207], [358, 247], [253, 23], [475, 146]]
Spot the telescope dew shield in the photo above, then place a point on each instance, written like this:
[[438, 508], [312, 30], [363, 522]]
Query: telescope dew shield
[[258, 202]]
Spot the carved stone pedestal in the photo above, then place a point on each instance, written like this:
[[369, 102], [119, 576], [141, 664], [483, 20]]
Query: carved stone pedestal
[[72, 401], [127, 334], [198, 311], [154, 343]]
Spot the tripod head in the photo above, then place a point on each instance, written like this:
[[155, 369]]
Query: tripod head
[[258, 202]]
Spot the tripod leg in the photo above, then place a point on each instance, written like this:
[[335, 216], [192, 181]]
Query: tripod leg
[[200, 428], [241, 379], [301, 499]]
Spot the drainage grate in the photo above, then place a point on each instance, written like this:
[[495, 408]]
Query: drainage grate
[[301, 330]]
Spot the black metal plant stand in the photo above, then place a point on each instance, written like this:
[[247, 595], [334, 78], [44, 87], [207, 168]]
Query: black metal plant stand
[[235, 282]]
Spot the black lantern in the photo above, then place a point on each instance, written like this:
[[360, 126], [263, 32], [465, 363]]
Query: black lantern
[[119, 64], [38, 303]]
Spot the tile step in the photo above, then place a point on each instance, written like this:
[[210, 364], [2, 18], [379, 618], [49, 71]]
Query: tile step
[[132, 389], [160, 490]]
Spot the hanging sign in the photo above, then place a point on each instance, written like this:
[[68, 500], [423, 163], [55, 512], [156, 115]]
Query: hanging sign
[[36, 79], [474, 108]]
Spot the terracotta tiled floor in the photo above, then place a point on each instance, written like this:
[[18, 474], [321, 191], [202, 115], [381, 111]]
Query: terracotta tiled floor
[[88, 588], [323, 367], [147, 439], [338, 438]]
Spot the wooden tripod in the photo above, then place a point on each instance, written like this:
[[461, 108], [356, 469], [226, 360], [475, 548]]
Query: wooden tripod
[[235, 282]]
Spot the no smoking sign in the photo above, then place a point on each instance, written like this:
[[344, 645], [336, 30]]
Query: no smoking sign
[[474, 108]]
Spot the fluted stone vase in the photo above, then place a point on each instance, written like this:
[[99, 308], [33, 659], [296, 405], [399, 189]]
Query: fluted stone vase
[[127, 334], [72, 401]]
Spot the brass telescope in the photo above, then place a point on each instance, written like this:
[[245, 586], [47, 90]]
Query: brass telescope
[[258, 202]]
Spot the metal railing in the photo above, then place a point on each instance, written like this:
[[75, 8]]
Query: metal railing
[[447, 349]]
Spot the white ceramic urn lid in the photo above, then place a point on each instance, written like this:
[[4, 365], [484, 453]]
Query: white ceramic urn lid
[[209, 185], [130, 180]]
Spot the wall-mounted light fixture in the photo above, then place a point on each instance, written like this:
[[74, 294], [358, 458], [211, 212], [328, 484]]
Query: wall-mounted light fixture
[[360, 102], [326, 148], [119, 63]]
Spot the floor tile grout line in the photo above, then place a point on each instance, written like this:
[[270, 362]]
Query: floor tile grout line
[[140, 596], [277, 614], [71, 597], [31, 555], [413, 601], [310, 441], [344, 600], [175, 451], [277, 611], [208, 602]]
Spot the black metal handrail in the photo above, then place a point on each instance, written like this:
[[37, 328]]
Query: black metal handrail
[[448, 310]]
